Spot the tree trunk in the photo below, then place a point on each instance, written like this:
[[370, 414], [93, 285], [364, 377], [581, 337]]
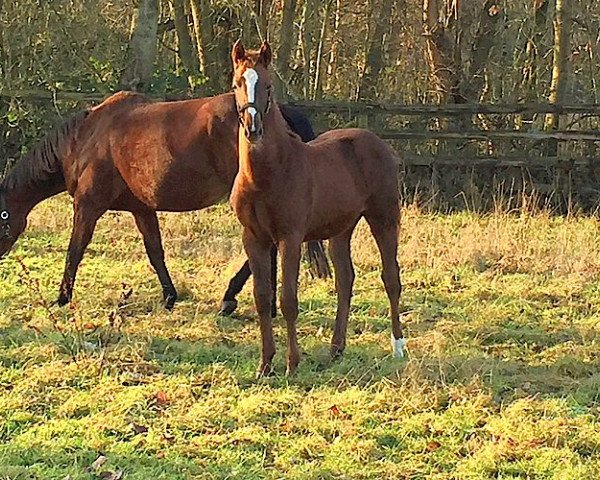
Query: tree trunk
[[441, 52], [308, 29], [186, 46], [141, 53], [204, 36], [480, 52], [530, 77], [559, 59], [284, 51], [375, 61], [333, 52], [262, 9], [318, 82]]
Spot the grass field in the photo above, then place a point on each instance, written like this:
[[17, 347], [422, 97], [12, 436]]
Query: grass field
[[502, 381]]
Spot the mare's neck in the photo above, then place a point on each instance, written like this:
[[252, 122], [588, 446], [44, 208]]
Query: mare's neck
[[21, 198], [262, 161]]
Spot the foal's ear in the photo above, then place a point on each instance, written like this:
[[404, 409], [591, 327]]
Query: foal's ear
[[238, 52], [264, 55]]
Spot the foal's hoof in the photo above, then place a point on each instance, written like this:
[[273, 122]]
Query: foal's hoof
[[265, 370], [170, 299], [228, 307]]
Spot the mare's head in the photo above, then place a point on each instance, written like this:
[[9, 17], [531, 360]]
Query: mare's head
[[252, 87], [13, 220]]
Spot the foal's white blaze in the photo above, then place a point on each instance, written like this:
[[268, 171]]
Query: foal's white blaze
[[251, 78], [398, 346]]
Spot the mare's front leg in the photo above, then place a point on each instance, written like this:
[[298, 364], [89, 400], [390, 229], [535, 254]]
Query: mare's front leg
[[259, 257], [86, 214], [290, 264], [229, 302], [147, 223]]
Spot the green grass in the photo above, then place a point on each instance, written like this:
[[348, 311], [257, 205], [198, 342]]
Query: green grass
[[502, 381]]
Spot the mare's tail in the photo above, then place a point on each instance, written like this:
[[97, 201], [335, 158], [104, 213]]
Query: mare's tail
[[319, 264]]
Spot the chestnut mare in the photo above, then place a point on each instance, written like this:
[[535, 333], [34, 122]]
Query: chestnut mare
[[287, 192], [133, 155]]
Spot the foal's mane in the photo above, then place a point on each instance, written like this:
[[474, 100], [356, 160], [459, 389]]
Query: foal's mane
[[43, 162]]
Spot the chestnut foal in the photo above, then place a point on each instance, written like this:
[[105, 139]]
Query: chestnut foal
[[287, 192]]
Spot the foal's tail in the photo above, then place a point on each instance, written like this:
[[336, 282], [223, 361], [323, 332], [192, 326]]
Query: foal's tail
[[319, 264]]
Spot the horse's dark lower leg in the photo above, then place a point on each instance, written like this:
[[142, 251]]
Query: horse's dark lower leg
[[339, 248], [229, 302], [84, 222], [147, 223]]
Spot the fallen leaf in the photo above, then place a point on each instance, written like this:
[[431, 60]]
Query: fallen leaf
[[111, 475], [161, 398], [335, 411], [433, 446], [101, 460], [139, 429]]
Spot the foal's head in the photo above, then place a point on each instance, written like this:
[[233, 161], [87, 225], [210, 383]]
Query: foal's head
[[252, 87]]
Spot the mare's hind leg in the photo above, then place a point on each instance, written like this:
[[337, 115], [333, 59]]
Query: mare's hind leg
[[385, 230], [86, 214], [229, 302], [339, 249], [147, 223]]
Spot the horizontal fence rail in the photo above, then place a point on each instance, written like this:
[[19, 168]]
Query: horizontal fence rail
[[426, 145]]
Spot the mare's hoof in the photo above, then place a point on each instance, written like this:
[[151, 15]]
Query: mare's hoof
[[63, 300], [336, 351], [228, 307], [170, 299]]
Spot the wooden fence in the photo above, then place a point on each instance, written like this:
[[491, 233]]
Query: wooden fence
[[493, 146]]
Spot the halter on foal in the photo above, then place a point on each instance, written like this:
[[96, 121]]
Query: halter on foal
[[287, 192]]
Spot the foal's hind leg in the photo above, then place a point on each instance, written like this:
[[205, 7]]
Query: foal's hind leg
[[385, 231], [86, 214], [339, 249], [147, 223], [229, 302]]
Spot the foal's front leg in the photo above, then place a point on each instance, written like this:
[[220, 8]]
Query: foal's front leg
[[259, 256], [290, 263]]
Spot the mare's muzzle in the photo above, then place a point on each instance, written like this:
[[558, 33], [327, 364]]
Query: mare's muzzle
[[4, 218], [4, 225]]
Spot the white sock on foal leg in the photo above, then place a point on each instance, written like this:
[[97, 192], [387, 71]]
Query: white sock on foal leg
[[398, 346]]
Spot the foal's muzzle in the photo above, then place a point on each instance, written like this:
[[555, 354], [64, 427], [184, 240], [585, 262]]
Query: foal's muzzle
[[251, 119]]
